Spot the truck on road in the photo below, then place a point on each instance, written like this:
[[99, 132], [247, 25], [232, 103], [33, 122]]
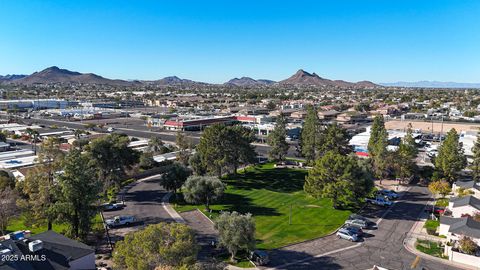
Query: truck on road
[[379, 201], [120, 221]]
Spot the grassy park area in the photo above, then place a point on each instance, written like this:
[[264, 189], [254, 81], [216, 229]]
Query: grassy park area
[[269, 194]]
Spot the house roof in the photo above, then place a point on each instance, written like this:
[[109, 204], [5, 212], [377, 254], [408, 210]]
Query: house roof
[[467, 200], [465, 184], [448, 220], [58, 249], [466, 226]]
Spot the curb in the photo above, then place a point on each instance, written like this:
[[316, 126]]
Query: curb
[[172, 212]]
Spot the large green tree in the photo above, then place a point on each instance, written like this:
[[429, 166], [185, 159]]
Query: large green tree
[[8, 207], [159, 245], [184, 145], [334, 138], [309, 135], [451, 158], [175, 177], [112, 156], [225, 147], [476, 160], [405, 165], [378, 134], [39, 188], [203, 190], [338, 177], [236, 231], [78, 192], [277, 140]]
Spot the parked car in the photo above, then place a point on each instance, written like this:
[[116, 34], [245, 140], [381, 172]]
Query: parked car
[[364, 224], [389, 194], [354, 229], [347, 235], [435, 210], [120, 221], [112, 206], [379, 201], [357, 216], [110, 129], [259, 257]]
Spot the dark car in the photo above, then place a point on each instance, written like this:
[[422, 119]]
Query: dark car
[[353, 229], [356, 216], [260, 257]]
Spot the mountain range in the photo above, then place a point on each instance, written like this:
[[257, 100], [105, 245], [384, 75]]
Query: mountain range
[[433, 84], [302, 77], [53, 75]]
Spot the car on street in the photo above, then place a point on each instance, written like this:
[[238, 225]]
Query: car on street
[[379, 201], [111, 206], [347, 235], [389, 194], [363, 224], [357, 216], [354, 229], [120, 221]]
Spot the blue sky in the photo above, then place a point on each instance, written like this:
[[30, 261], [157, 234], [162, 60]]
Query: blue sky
[[213, 41]]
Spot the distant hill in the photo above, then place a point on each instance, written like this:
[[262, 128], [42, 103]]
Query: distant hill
[[57, 75], [174, 80], [302, 77], [433, 84], [247, 81], [11, 77]]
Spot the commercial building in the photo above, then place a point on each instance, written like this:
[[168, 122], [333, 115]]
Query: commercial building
[[34, 104]]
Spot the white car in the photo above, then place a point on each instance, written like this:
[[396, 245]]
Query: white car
[[120, 221], [347, 235], [379, 201]]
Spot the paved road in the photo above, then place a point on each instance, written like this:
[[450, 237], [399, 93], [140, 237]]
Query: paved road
[[384, 247], [141, 132], [205, 233], [144, 201]]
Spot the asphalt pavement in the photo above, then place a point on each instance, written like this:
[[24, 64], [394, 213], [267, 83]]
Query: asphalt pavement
[[382, 247], [141, 131]]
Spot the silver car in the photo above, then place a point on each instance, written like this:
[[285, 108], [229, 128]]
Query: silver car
[[347, 235]]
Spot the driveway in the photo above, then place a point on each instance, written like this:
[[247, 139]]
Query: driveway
[[205, 233], [143, 199]]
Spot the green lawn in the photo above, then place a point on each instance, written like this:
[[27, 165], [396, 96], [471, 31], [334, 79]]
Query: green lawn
[[430, 248], [268, 193], [18, 224]]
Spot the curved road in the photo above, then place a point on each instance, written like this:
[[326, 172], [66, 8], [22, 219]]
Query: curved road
[[382, 247]]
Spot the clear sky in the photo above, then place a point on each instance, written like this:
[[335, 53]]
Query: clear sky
[[213, 41]]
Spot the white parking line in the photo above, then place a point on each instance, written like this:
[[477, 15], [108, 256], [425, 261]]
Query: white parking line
[[314, 257]]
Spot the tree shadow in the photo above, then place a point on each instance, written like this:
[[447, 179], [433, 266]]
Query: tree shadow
[[274, 179]]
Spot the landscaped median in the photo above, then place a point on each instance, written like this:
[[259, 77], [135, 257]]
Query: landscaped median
[[283, 213]]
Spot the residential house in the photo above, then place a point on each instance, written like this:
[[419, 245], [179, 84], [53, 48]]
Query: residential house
[[461, 206], [49, 250], [468, 186]]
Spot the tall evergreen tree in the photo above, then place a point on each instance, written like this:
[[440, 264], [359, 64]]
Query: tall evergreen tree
[[339, 178], [78, 192], [334, 138], [404, 159], [183, 144], [308, 137], [451, 158], [377, 133], [277, 140], [39, 188], [476, 160]]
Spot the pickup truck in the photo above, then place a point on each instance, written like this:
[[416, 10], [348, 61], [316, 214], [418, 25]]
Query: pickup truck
[[378, 201], [120, 221]]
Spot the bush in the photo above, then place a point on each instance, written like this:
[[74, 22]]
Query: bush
[[431, 226]]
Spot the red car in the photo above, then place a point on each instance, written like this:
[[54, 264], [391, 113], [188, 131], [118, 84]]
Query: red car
[[436, 210]]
